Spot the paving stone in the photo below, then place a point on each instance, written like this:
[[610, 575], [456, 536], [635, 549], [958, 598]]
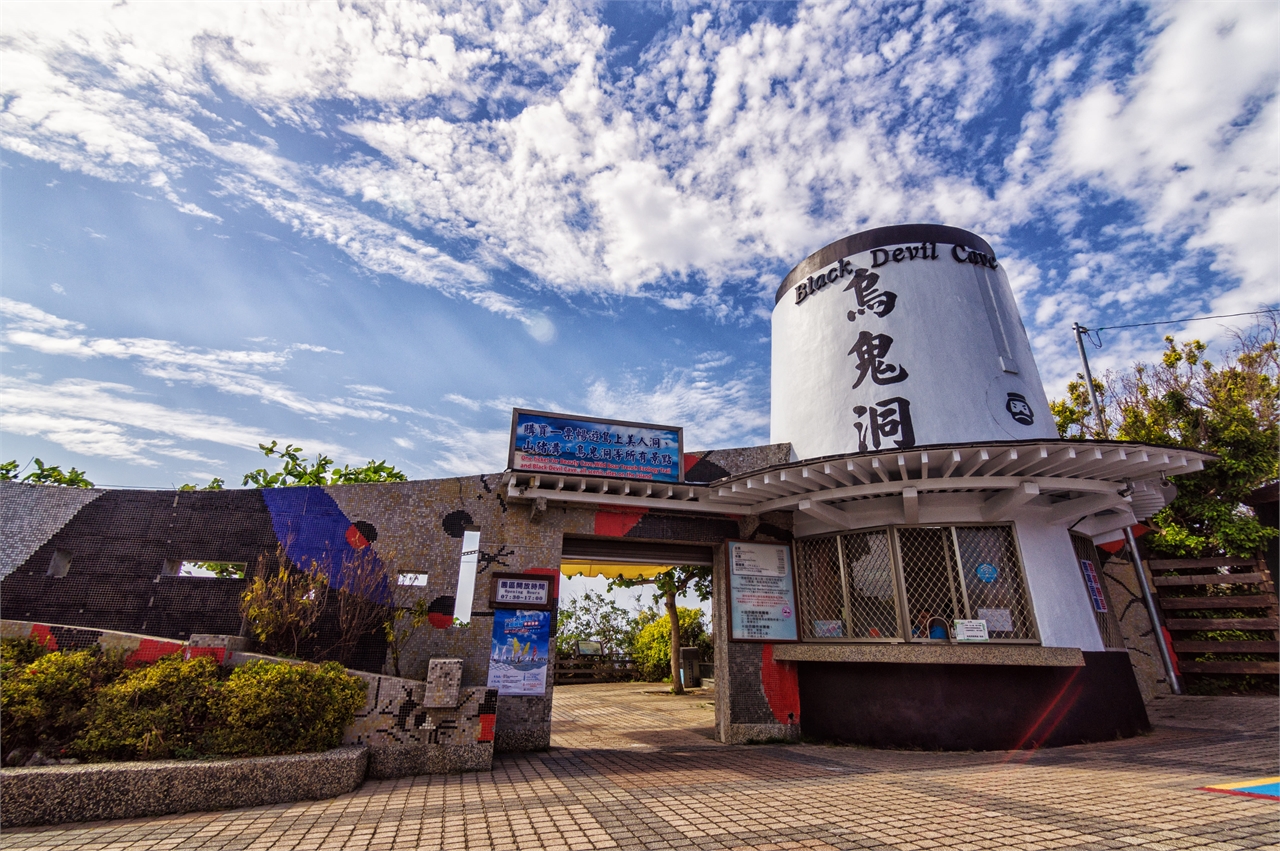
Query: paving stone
[[632, 767]]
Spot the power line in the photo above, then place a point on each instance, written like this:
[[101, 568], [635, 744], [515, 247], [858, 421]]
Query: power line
[[1188, 319]]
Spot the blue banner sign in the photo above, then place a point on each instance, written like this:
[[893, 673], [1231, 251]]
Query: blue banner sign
[[582, 446]]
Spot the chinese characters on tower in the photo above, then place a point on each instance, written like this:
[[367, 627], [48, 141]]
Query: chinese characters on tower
[[887, 422]]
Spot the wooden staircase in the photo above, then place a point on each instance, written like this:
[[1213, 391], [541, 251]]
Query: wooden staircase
[[1217, 595]]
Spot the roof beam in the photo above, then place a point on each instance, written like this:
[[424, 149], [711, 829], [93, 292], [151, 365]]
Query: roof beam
[[975, 461], [821, 480], [910, 506], [838, 472], [826, 513], [998, 506], [786, 503], [952, 462], [1074, 509]]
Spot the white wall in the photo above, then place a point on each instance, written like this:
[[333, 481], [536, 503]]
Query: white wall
[[954, 328], [1063, 611]]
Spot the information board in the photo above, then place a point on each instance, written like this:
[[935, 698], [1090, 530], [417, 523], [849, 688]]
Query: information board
[[762, 593], [572, 445]]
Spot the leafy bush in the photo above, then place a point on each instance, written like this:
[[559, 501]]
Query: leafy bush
[[17, 653], [44, 704], [84, 703], [278, 708], [652, 647], [156, 712]]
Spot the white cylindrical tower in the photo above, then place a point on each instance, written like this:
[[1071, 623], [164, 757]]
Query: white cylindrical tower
[[898, 337]]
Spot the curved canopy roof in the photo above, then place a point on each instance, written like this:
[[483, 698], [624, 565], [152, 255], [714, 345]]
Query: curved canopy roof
[[1068, 478]]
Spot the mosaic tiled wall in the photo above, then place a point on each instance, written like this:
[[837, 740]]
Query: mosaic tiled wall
[[119, 541], [30, 514], [118, 544]]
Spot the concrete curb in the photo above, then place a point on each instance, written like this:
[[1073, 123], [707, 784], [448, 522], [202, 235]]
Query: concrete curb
[[115, 790]]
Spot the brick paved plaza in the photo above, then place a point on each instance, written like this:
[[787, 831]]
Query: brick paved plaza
[[633, 768]]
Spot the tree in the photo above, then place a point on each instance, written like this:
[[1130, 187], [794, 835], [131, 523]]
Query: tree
[[594, 617], [43, 475], [299, 471], [671, 584], [651, 648], [1186, 400], [215, 484]]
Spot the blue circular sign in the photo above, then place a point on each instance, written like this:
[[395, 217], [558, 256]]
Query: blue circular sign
[[987, 572]]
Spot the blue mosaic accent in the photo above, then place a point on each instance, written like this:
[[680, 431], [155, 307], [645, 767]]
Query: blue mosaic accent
[[311, 527]]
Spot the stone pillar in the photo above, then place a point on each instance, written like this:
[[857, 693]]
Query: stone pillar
[[757, 699], [1135, 626]]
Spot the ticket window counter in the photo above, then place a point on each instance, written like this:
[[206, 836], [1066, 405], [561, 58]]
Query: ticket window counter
[[909, 584]]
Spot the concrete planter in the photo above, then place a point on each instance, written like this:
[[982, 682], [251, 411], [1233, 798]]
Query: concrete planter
[[116, 790]]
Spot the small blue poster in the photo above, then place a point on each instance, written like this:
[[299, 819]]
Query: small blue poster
[[520, 651], [987, 572], [578, 446]]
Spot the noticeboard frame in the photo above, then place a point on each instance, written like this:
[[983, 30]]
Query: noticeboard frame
[[495, 603], [795, 591], [515, 418]]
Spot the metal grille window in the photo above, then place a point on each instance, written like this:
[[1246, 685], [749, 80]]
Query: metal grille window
[[822, 589], [848, 587], [1099, 599], [992, 579], [929, 575], [910, 583]]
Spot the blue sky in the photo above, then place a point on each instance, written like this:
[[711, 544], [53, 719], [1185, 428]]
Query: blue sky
[[371, 230]]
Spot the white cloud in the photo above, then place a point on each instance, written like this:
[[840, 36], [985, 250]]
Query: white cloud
[[1193, 138], [501, 157], [112, 420], [715, 409], [236, 372]]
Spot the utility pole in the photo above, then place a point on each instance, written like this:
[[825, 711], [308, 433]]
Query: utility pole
[[1157, 629], [1080, 331]]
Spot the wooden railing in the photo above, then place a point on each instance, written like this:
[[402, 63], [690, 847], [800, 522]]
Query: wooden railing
[[594, 669], [1218, 595]]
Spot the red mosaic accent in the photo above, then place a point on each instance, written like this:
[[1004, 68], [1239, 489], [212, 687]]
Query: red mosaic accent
[[218, 654], [615, 524], [486, 728], [151, 649], [781, 685], [40, 632]]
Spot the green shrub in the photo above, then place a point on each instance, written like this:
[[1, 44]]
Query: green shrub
[[652, 646], [156, 712], [45, 703], [278, 708], [19, 652]]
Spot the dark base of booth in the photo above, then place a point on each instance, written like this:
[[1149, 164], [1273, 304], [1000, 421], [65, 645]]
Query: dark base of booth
[[971, 707]]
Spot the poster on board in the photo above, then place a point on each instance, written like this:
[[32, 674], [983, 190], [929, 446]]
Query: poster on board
[[542, 442], [520, 650], [762, 593]]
